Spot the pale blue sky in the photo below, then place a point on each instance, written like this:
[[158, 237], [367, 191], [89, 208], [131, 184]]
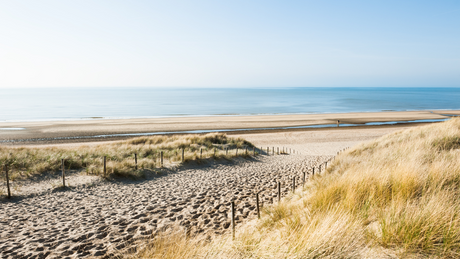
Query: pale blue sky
[[229, 43]]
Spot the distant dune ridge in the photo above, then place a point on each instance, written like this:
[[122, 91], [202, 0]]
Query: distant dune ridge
[[397, 196]]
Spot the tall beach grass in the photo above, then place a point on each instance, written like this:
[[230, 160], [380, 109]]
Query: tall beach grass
[[395, 197]]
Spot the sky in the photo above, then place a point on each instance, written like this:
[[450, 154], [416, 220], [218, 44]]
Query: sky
[[90, 43]]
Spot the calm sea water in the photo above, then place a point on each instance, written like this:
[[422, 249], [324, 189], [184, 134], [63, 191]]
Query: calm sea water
[[129, 102]]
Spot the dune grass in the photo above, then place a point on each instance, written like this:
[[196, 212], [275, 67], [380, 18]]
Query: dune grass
[[26, 162], [395, 197]]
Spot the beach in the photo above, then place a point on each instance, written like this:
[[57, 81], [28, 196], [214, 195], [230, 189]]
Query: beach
[[100, 218], [75, 131]]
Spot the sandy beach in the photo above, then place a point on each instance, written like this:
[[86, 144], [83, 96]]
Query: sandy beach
[[101, 218], [42, 132]]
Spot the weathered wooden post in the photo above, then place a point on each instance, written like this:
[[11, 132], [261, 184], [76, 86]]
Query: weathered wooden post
[[257, 205], [293, 184], [279, 192], [338, 122], [325, 165], [277, 150], [105, 166], [63, 172], [313, 171], [303, 178], [268, 151], [161, 158], [7, 182], [183, 158], [233, 219], [135, 160], [273, 149], [246, 150], [201, 153]]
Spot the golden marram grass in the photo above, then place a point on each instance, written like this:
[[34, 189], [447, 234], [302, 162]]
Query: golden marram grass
[[395, 197], [29, 161]]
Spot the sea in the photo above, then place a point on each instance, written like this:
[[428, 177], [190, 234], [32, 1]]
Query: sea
[[45, 104]]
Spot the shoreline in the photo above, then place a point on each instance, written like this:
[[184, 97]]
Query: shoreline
[[184, 116], [54, 132]]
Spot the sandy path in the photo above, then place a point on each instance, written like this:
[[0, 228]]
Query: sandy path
[[100, 218], [95, 221]]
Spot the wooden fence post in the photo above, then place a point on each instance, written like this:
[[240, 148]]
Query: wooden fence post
[[105, 166], [257, 205], [246, 150], [268, 151], [183, 158], [201, 153], [313, 171], [161, 158], [135, 159], [304, 178], [293, 184], [63, 172], [233, 220], [338, 122], [279, 192], [7, 182]]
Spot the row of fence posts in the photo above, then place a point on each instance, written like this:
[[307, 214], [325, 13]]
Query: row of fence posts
[[161, 162], [284, 151], [233, 224], [135, 162], [279, 192]]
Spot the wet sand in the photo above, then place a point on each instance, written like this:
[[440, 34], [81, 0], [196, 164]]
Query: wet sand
[[47, 131]]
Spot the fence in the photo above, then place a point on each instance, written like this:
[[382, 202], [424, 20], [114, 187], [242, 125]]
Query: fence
[[278, 188]]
